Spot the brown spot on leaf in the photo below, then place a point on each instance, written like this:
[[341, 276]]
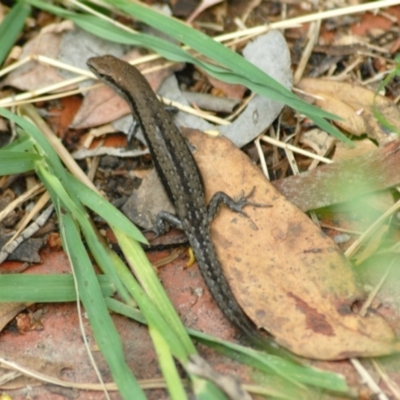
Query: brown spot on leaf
[[314, 320]]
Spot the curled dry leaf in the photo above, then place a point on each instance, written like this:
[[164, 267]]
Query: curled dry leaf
[[288, 276], [355, 105]]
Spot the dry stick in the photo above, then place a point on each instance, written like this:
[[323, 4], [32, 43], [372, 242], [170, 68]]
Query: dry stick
[[144, 383], [49, 379], [378, 393], [9, 377], [313, 33], [110, 151], [344, 74], [336, 228], [372, 295], [296, 149], [393, 387], [27, 233], [261, 156], [20, 199], [28, 217], [354, 247], [293, 22]]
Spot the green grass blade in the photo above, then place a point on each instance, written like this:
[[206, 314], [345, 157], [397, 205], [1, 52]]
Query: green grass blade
[[168, 366], [147, 298], [11, 27], [41, 144], [104, 257], [151, 284], [234, 68], [13, 162], [287, 369], [49, 288], [61, 194], [159, 312], [103, 208], [104, 331], [377, 114], [22, 143], [57, 191], [294, 375], [60, 184]]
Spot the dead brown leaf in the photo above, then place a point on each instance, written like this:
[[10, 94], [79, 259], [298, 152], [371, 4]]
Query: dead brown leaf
[[232, 91], [288, 276], [354, 104], [35, 75]]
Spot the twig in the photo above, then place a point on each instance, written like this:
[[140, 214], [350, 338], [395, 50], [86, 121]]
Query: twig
[[27, 233], [296, 149], [20, 199], [354, 247], [393, 387], [372, 295], [367, 379]]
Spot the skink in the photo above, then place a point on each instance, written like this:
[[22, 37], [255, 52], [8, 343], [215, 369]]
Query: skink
[[181, 179]]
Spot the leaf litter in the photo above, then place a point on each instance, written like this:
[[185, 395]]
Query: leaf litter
[[317, 316]]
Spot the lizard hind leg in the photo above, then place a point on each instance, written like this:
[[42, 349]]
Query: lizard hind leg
[[164, 220]]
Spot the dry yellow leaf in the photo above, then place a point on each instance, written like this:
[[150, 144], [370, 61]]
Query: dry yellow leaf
[[354, 104], [287, 275]]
